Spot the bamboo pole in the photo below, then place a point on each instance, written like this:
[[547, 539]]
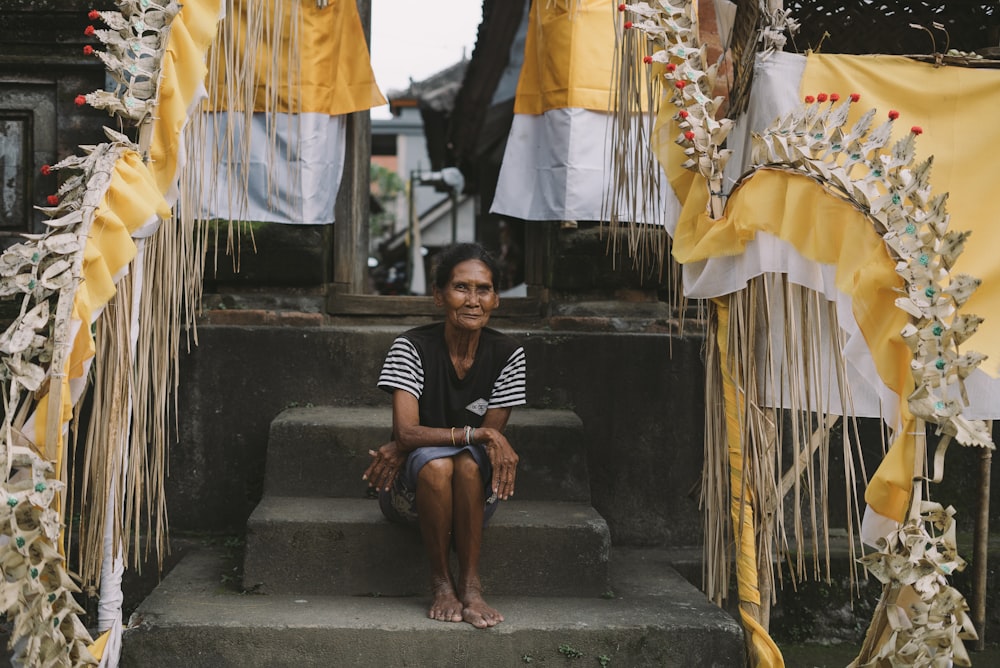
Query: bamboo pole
[[980, 546]]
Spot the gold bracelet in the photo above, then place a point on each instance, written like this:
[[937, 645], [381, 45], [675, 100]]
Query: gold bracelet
[[453, 437]]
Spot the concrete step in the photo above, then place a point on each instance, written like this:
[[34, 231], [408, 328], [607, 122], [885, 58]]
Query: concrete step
[[345, 546], [323, 450], [653, 619]]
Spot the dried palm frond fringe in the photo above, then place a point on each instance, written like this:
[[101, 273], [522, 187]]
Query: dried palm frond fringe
[[784, 428], [636, 184], [248, 69], [173, 261]]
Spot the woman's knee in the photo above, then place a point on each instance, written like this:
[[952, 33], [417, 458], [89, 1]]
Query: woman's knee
[[436, 473], [466, 467]]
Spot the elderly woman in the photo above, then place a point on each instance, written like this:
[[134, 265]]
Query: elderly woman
[[453, 385]]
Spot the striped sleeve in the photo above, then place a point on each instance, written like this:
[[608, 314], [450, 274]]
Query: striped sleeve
[[509, 388], [402, 369]]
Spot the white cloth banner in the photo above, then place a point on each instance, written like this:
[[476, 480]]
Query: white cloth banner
[[291, 173], [557, 167]]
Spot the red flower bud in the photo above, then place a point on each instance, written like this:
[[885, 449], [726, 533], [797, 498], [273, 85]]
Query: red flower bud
[[671, 67], [88, 31], [680, 83], [834, 97], [88, 49], [46, 170], [80, 100], [628, 25], [647, 59], [821, 97], [93, 14], [689, 135], [810, 99], [893, 114], [855, 97], [621, 7], [53, 200], [683, 113], [917, 130]]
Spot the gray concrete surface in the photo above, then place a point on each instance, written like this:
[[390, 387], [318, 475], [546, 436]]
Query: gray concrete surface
[[653, 619], [323, 450], [639, 396], [345, 546]]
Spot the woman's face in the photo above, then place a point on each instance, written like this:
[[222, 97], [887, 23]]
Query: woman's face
[[469, 297]]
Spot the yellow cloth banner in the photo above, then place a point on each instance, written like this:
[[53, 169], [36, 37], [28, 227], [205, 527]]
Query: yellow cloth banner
[[953, 107], [956, 107], [765, 653], [328, 45], [182, 75], [568, 56]]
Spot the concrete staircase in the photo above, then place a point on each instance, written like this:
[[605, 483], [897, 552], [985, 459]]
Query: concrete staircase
[[338, 585]]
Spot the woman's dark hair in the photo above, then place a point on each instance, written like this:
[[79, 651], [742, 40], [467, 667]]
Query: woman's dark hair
[[454, 255]]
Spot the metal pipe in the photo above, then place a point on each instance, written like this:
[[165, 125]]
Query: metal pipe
[[411, 220]]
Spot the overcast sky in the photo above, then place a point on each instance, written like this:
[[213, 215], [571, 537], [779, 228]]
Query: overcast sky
[[416, 38]]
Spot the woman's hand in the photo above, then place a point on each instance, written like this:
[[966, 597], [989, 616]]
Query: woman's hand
[[386, 462], [503, 458]]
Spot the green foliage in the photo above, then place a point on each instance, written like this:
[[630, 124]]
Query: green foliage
[[569, 651], [385, 187]]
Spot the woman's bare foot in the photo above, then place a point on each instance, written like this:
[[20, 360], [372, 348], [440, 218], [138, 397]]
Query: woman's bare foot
[[476, 611], [445, 606]]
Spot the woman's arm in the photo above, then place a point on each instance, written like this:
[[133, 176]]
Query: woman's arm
[[499, 450], [409, 435], [408, 431]]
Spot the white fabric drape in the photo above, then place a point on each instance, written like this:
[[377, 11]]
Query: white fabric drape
[[557, 165], [291, 175]]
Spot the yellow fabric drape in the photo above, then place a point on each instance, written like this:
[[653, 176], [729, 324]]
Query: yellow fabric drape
[[97, 648], [956, 108], [951, 105], [765, 651], [183, 72], [335, 75], [131, 201], [828, 230], [567, 60]]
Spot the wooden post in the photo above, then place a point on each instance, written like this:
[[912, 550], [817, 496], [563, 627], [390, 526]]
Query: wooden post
[[350, 231]]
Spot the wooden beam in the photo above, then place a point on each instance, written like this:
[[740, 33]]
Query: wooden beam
[[351, 211]]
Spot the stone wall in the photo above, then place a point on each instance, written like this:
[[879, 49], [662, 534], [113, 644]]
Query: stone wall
[[42, 70]]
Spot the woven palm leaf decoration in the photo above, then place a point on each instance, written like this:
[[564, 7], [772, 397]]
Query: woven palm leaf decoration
[[892, 190], [44, 271], [80, 288], [134, 49]]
